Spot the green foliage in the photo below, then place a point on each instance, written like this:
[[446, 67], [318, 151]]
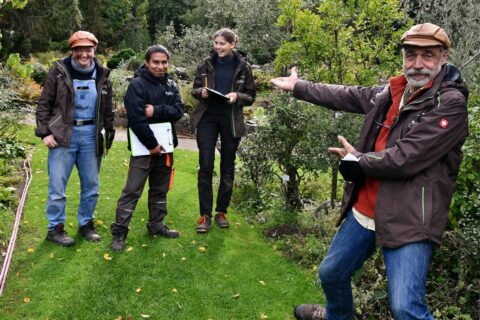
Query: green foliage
[[120, 56], [190, 49], [185, 89], [119, 78], [14, 63]]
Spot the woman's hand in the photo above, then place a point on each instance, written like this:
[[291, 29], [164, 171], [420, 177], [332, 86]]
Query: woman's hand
[[232, 97]]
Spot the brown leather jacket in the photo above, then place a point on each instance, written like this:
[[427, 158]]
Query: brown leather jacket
[[56, 105], [418, 169], [243, 85]]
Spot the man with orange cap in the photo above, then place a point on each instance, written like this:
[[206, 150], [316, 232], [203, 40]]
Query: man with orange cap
[[75, 121], [401, 174]]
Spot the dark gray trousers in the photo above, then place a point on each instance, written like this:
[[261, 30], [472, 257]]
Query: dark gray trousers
[[158, 170]]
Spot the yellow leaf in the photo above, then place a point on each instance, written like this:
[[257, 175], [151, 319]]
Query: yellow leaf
[[174, 290], [129, 249], [30, 250], [263, 316], [70, 224], [262, 282], [144, 245], [193, 241], [51, 255], [183, 258], [236, 296], [119, 318], [138, 290], [145, 316], [202, 249], [99, 222], [143, 219], [25, 222], [26, 300], [107, 257], [163, 254]]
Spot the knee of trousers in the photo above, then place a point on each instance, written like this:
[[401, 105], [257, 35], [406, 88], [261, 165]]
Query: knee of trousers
[[329, 273]]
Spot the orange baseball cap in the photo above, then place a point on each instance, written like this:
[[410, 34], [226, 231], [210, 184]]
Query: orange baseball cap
[[82, 39], [426, 35]]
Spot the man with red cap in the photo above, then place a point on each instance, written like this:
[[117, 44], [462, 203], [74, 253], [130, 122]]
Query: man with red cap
[[401, 175], [75, 121]]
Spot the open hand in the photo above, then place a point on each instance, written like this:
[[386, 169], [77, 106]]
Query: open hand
[[286, 83]]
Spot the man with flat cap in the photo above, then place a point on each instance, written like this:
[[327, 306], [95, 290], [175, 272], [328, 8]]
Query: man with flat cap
[[408, 154], [75, 121]]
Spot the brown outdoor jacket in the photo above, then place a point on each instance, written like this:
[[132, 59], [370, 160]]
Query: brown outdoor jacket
[[56, 105], [243, 84], [418, 169]]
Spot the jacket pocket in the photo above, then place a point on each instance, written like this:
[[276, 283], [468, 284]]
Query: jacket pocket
[[426, 207], [142, 162]]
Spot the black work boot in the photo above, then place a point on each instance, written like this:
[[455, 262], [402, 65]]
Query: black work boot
[[310, 312], [163, 231], [118, 242], [89, 232], [204, 223], [59, 236]]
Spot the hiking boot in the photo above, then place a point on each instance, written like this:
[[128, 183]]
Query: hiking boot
[[166, 233], [89, 232], [118, 242], [204, 223], [221, 220], [59, 236], [310, 312]]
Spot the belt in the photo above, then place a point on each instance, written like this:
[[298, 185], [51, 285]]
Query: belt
[[82, 122]]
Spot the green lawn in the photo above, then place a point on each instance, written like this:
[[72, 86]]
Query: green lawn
[[239, 276]]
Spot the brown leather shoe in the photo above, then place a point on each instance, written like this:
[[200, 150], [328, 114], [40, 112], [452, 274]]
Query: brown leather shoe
[[310, 312], [221, 220], [204, 224]]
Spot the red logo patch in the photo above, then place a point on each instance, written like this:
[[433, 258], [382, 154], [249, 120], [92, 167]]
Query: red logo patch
[[443, 123]]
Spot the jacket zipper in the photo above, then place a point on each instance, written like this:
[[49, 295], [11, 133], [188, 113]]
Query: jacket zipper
[[423, 205], [54, 121]]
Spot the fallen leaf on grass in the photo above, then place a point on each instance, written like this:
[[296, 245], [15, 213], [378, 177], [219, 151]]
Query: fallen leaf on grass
[[144, 245], [183, 258], [70, 224], [30, 250], [138, 290], [235, 296], [262, 282], [25, 222], [193, 241], [129, 249], [145, 315], [107, 257], [163, 254], [174, 290], [100, 222], [263, 316], [202, 249], [119, 318], [26, 300]]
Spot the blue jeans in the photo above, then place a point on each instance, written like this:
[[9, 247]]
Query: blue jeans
[[406, 267], [82, 154]]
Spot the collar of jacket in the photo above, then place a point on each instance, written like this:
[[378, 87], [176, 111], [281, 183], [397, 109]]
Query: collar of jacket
[[62, 69], [240, 56]]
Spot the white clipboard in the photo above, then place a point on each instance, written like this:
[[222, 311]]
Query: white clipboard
[[163, 134]]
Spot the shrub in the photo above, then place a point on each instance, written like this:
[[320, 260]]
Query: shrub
[[122, 55]]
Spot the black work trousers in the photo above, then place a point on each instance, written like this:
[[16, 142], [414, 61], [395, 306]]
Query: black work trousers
[[208, 130], [158, 170]]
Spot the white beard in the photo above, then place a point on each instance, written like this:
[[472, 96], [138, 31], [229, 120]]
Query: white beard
[[420, 83]]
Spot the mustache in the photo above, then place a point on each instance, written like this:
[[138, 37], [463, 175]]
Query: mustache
[[423, 71]]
